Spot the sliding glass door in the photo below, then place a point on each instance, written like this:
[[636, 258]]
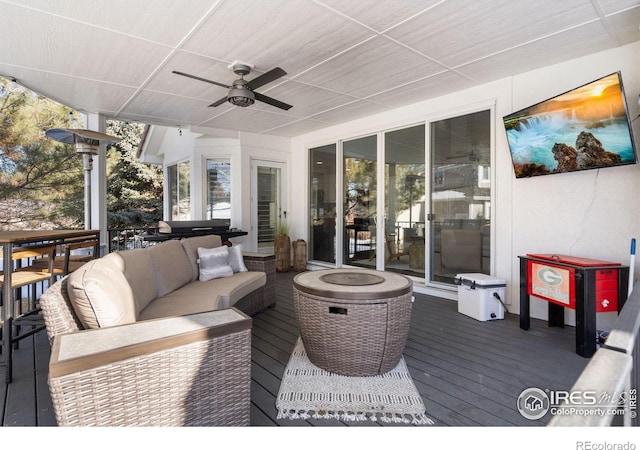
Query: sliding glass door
[[402, 205], [360, 164], [460, 196], [404, 227]]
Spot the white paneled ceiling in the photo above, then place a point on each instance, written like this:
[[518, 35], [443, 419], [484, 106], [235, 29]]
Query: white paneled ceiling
[[344, 59]]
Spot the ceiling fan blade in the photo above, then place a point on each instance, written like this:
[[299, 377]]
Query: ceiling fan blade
[[222, 101], [272, 101], [201, 79], [266, 78]]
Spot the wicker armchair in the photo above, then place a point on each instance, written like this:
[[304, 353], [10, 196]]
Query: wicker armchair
[[189, 370]]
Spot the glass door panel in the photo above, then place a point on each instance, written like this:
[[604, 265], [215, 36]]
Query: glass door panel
[[322, 204], [269, 205], [460, 207], [359, 190], [404, 236]]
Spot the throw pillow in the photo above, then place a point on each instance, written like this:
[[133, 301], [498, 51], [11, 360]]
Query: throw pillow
[[236, 261], [214, 263]]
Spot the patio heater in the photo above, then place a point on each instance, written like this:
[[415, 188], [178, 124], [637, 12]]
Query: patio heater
[[87, 143], [410, 182]]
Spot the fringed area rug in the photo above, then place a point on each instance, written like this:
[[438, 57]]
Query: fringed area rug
[[308, 391]]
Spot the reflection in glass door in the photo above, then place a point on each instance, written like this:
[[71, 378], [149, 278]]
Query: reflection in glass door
[[404, 236], [268, 206], [359, 190], [460, 196]]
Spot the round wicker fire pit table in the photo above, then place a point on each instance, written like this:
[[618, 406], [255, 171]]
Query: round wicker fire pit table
[[353, 321]]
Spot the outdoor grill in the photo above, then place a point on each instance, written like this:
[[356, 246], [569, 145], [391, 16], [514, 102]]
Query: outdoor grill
[[188, 228], [178, 229]]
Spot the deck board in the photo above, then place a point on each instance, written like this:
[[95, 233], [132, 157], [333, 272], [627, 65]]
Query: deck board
[[469, 373]]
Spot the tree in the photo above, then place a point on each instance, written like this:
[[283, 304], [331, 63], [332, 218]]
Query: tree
[[134, 189], [40, 179]]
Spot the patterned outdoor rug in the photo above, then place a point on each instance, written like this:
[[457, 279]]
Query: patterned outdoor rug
[[310, 392]]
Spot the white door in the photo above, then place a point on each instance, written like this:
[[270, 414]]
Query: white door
[[268, 198]]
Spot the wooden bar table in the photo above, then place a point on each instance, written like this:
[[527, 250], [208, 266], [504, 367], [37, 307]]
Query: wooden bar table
[[9, 240]]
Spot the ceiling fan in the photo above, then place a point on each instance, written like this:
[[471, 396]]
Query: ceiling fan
[[242, 92]]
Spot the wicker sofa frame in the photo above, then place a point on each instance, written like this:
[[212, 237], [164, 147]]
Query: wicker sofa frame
[[180, 371], [176, 371]]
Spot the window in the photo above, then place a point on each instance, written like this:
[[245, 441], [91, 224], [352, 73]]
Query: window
[[218, 183], [180, 191]]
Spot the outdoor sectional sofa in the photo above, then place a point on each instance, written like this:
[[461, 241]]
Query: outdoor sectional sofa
[[140, 339]]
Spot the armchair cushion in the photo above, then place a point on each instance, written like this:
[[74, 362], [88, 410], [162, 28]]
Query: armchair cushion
[[100, 295]]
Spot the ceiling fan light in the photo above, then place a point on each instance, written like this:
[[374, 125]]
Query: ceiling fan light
[[241, 101], [241, 96]]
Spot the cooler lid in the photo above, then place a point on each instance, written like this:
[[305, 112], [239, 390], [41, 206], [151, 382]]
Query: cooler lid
[[480, 279], [575, 260]]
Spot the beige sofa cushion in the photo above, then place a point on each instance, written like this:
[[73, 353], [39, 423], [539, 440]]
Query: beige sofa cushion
[[100, 294], [191, 246], [138, 270], [200, 296], [190, 299], [239, 286], [171, 265]]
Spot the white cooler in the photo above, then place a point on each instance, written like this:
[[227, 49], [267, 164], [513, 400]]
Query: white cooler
[[479, 296]]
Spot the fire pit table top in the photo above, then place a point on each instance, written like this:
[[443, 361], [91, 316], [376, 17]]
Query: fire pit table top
[[354, 284]]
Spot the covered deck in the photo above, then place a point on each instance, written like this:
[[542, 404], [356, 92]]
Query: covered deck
[[469, 373]]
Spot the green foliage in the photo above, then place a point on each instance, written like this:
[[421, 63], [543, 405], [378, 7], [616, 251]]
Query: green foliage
[[282, 229], [40, 180], [134, 189]]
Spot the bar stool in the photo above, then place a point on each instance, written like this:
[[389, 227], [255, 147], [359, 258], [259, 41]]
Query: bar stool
[[72, 260], [29, 275]]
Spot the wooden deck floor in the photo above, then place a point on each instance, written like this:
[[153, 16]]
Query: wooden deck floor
[[469, 373]]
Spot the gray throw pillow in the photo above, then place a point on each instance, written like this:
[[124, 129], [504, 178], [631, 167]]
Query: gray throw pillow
[[236, 261], [214, 263]]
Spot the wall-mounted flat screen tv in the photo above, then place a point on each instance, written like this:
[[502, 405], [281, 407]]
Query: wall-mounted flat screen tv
[[585, 128]]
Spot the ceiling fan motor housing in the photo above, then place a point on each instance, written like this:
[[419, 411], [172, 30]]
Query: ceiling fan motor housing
[[240, 94]]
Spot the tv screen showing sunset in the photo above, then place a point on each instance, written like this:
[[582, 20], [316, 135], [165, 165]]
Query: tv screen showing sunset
[[585, 128]]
